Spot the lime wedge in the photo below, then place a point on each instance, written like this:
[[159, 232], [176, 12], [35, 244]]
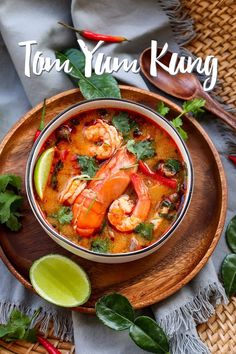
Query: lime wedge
[[42, 171], [60, 281]]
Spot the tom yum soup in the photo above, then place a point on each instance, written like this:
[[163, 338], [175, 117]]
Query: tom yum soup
[[111, 181]]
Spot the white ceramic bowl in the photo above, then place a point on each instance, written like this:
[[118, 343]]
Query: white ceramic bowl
[[98, 104]]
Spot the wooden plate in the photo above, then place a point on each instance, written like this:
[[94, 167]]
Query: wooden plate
[[150, 279]]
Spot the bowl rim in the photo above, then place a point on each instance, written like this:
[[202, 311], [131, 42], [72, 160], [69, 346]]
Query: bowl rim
[[49, 229]]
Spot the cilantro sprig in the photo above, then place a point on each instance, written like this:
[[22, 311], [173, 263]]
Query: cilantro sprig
[[64, 215], [142, 149], [88, 165], [194, 107], [18, 327], [124, 123], [10, 201]]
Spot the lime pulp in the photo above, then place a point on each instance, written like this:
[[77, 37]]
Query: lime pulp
[[60, 281]]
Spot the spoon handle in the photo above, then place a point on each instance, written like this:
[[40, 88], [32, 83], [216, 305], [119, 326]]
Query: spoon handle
[[214, 107]]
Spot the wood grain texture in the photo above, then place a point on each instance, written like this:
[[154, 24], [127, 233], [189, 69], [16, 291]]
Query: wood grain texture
[[145, 281]]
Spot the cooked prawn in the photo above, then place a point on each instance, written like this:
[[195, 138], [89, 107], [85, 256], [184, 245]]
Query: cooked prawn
[[72, 189], [106, 135], [109, 183], [124, 214]]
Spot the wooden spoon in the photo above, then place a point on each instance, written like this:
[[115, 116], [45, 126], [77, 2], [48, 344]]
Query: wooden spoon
[[185, 86]]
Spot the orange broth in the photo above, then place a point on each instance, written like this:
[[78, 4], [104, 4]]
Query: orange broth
[[66, 154]]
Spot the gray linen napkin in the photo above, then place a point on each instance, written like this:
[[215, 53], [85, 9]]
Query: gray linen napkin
[[140, 21]]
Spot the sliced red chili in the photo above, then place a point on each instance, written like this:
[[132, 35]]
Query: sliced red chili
[[145, 169]]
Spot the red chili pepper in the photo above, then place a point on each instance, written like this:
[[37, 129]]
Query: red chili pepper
[[48, 346], [145, 169], [232, 158], [95, 36], [41, 124]]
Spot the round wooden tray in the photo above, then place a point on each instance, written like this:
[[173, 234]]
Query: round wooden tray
[[150, 279]]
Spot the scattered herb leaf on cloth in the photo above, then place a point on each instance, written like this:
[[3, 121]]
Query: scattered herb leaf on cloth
[[116, 312], [231, 234], [10, 201], [143, 149], [88, 165], [146, 333], [228, 272], [96, 86], [18, 327]]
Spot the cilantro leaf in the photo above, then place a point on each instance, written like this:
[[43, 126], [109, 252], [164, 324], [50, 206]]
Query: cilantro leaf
[[162, 109], [124, 123], [177, 123], [121, 122], [194, 106], [64, 215], [13, 223], [143, 149], [88, 165], [18, 327], [8, 181], [173, 165], [145, 230], [10, 201], [100, 245]]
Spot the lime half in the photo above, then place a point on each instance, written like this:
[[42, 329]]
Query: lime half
[[42, 171], [60, 281]]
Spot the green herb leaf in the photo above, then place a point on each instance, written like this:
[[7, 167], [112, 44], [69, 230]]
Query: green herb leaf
[[145, 230], [8, 181], [231, 234], [177, 123], [18, 328], [162, 109], [148, 335], [13, 223], [115, 311], [92, 87], [98, 86], [194, 106], [123, 123], [10, 201], [100, 245], [77, 62], [173, 165], [143, 149], [64, 215], [228, 272], [88, 165]]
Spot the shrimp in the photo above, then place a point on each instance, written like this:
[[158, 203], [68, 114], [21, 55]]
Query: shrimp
[[106, 135], [72, 189], [124, 214], [110, 181]]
